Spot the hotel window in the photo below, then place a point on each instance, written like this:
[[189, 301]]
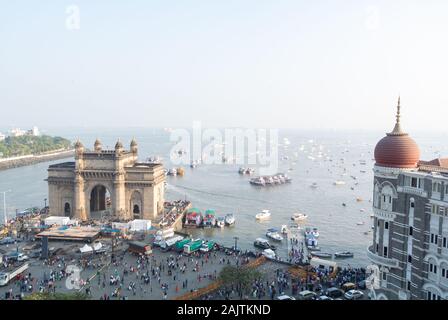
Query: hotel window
[[434, 208], [385, 251], [377, 248], [386, 225], [409, 285], [414, 182], [443, 272], [444, 242], [409, 258], [411, 230], [434, 238], [431, 267], [446, 189]]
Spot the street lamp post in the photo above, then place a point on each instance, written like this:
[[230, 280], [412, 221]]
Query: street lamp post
[[4, 206], [236, 241]]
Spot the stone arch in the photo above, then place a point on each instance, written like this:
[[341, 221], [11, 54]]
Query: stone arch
[[429, 287], [136, 204], [389, 188], [97, 196], [67, 209]]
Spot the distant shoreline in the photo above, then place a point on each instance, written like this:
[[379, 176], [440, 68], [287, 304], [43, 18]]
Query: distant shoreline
[[11, 163]]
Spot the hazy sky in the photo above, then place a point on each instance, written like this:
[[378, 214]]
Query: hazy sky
[[277, 63]]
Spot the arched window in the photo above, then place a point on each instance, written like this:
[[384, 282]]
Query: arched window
[[67, 209]]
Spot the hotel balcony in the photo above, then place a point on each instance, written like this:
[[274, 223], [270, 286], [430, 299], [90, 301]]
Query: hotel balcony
[[412, 190], [377, 259], [383, 214]]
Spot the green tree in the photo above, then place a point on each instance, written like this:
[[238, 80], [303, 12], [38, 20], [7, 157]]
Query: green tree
[[240, 277]]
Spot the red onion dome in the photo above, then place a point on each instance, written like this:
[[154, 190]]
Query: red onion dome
[[397, 149]]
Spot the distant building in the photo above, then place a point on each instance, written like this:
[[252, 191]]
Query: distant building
[[34, 132], [410, 205], [2, 136], [17, 132], [110, 182]]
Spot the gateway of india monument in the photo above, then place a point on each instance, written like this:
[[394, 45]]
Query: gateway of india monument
[[110, 182]]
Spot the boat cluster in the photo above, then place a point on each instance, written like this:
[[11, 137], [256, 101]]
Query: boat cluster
[[195, 219], [311, 238], [277, 179]]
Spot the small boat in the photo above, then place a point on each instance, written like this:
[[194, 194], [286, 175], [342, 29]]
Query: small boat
[[263, 244], [220, 222], [339, 183], [229, 219], [172, 172], [344, 254], [299, 217], [360, 223], [314, 185], [274, 235], [263, 215], [324, 255], [313, 248], [269, 253]]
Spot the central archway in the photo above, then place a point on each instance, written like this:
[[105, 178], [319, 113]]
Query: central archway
[[99, 199]]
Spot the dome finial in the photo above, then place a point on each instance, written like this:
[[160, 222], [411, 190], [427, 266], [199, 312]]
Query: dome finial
[[397, 129]]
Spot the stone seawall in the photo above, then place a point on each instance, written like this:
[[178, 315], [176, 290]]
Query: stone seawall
[[33, 159]]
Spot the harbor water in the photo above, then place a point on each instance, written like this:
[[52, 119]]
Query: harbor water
[[319, 158]]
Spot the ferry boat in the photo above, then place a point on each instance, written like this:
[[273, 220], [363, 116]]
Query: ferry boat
[[344, 254], [263, 215], [311, 233], [193, 218], [299, 217], [274, 235], [209, 220], [323, 255], [263, 244], [277, 179], [229, 219]]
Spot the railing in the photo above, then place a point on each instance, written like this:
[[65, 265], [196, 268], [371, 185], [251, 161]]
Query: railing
[[375, 258], [412, 190]]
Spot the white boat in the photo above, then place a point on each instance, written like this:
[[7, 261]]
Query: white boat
[[263, 215], [229, 219], [339, 183], [360, 223], [220, 223], [269, 253], [299, 217], [274, 235]]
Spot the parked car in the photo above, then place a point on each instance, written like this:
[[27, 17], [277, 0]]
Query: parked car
[[334, 292], [348, 286], [7, 240], [285, 297], [307, 295], [323, 297], [353, 295]]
